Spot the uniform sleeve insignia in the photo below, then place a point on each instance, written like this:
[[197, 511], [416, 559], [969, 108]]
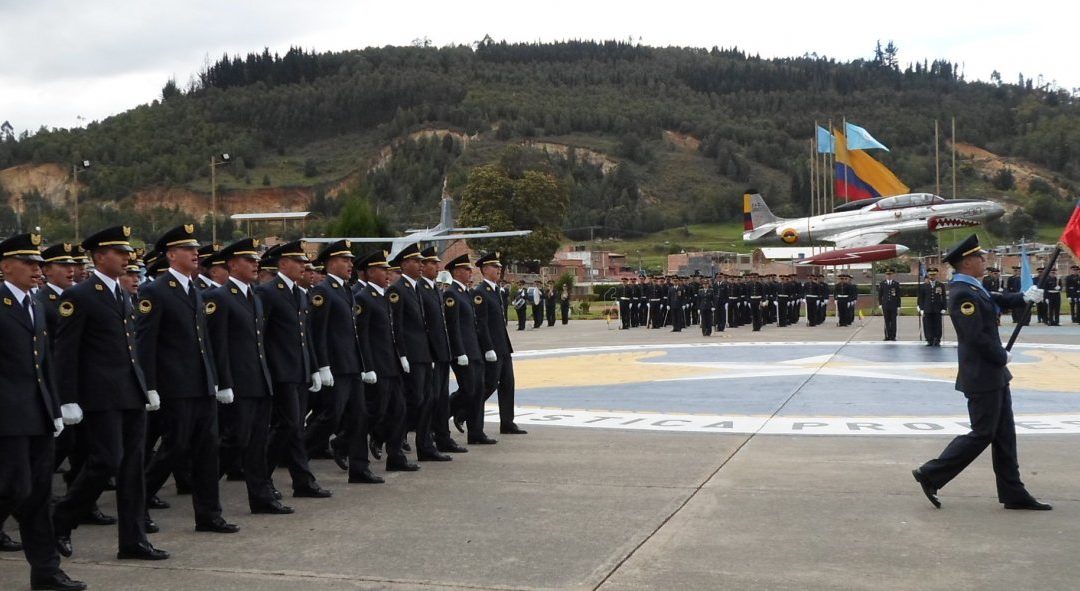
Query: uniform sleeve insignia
[[67, 309], [478, 300], [450, 302], [145, 306], [317, 300], [393, 297], [967, 308], [98, 287], [211, 307]]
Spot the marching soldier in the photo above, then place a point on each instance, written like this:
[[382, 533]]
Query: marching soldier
[[932, 305], [467, 402], [175, 354], [32, 417], [888, 293], [292, 367], [1072, 291], [494, 340], [237, 330], [439, 342], [983, 377], [103, 384]]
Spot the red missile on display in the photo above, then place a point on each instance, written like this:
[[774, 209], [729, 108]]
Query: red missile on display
[[851, 256]]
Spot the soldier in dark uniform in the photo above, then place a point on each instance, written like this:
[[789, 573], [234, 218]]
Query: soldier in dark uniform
[[521, 304], [932, 305], [1072, 291], [1012, 285], [439, 341], [212, 272], [983, 377], [992, 283], [674, 302], [103, 382], [622, 296], [467, 402], [564, 303], [292, 366], [706, 308], [175, 354], [386, 401], [237, 330], [657, 303], [1053, 299], [888, 294], [495, 341], [551, 302], [812, 298], [1040, 308], [841, 297], [32, 417], [413, 347], [720, 296], [538, 304]]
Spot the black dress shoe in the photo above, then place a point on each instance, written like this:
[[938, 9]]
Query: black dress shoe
[[459, 424], [142, 551], [365, 477], [9, 545], [313, 492], [405, 466], [110, 484], [1029, 505], [376, 449], [277, 493], [156, 503], [218, 526], [341, 458], [58, 581], [405, 446], [927, 488], [482, 440], [274, 508], [433, 456], [451, 447], [512, 429], [151, 527], [96, 517], [63, 545]]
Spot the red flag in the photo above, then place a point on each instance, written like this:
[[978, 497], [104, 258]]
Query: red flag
[[1071, 236]]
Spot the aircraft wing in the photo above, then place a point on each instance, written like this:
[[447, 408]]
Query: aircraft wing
[[871, 235], [506, 234]]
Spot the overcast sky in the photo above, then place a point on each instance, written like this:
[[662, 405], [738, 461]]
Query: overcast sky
[[65, 63]]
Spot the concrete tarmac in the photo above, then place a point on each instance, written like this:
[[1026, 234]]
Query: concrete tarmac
[[578, 508]]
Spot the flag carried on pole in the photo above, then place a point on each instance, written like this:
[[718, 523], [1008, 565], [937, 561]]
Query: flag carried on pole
[[1071, 236], [825, 142], [1026, 280], [860, 139]]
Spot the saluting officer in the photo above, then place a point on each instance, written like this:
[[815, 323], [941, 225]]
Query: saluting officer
[[440, 351], [31, 417], [495, 341], [888, 293], [292, 367], [467, 402], [983, 377], [237, 335], [95, 344], [175, 354]]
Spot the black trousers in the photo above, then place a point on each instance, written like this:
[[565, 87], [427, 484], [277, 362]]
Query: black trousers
[[286, 443], [419, 404], [327, 407], [624, 313], [890, 313], [758, 313], [26, 470], [550, 310], [440, 412], [1053, 309], [155, 428], [191, 435], [352, 436], [706, 321], [388, 414], [468, 400], [522, 317], [991, 425], [1074, 309], [538, 315], [499, 377], [932, 326], [114, 441], [564, 311], [250, 431]]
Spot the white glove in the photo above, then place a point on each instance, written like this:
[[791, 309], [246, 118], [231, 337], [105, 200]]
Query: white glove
[[1033, 295], [490, 356], [1008, 357], [316, 383], [404, 364], [155, 400], [71, 414], [463, 360], [58, 424], [944, 312], [369, 377], [326, 376], [920, 312], [225, 396]]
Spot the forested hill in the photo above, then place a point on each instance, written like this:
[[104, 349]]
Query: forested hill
[[675, 134]]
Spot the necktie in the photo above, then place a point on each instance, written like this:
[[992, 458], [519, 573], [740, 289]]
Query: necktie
[[191, 294], [296, 295], [26, 306], [119, 298]]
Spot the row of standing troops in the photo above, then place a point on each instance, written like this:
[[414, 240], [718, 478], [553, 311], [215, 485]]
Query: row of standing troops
[[240, 357], [1049, 310], [543, 299], [732, 301]]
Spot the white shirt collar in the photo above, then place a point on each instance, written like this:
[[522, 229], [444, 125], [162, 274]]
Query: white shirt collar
[[184, 280], [410, 280], [209, 281], [461, 285], [288, 282], [55, 288], [109, 282], [339, 280], [430, 282], [376, 288], [15, 291], [361, 282], [240, 284], [491, 283]]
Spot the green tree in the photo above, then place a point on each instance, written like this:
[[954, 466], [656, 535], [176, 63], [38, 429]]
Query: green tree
[[357, 217]]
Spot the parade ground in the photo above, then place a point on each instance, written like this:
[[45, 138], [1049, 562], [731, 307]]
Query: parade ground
[[773, 460]]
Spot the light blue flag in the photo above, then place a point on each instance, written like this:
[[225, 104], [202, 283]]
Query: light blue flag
[[826, 144], [1026, 280], [860, 139]]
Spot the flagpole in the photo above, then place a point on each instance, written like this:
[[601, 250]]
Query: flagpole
[[937, 161], [813, 171], [954, 157], [1026, 316]]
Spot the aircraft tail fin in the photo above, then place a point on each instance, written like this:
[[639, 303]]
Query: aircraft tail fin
[[755, 212]]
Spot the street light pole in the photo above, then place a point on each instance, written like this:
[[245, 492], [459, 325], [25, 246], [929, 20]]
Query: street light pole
[[75, 170], [214, 163]]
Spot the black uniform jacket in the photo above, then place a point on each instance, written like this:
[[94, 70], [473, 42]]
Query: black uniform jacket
[[980, 353], [490, 323], [461, 322], [333, 328], [28, 403], [174, 343], [410, 330], [438, 341], [287, 340], [373, 319], [94, 345], [236, 336]]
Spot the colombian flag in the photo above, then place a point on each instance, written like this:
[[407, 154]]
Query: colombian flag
[[1071, 236], [859, 176]]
